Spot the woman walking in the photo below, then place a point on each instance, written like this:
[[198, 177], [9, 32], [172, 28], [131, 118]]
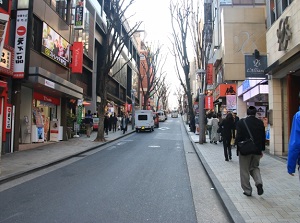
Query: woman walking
[[227, 125], [214, 128]]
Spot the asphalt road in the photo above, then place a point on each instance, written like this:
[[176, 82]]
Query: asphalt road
[[146, 177]]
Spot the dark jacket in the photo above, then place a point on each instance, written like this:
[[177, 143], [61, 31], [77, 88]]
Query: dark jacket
[[227, 125], [257, 129]]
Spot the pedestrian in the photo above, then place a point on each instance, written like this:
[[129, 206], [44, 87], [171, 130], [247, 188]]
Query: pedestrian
[[249, 164], [219, 116], [106, 124], [227, 126], [214, 128], [124, 123], [236, 119], [110, 123], [114, 122], [88, 121], [294, 146], [209, 119]]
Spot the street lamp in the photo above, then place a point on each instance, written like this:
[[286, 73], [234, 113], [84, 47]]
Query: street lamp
[[202, 87], [133, 108]]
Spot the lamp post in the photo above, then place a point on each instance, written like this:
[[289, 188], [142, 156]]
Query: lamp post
[[202, 77], [133, 108]]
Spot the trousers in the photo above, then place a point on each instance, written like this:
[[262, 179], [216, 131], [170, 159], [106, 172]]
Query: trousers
[[249, 166]]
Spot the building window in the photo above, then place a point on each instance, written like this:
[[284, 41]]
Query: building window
[[59, 6], [36, 39], [275, 9]]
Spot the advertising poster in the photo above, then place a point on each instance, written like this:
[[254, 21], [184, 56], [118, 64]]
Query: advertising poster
[[40, 134], [54, 46], [54, 131], [231, 102]]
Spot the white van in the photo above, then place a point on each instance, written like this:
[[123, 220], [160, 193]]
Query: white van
[[161, 116], [144, 120]]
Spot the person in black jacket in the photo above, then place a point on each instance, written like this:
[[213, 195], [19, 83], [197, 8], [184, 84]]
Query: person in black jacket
[[227, 125], [249, 164]]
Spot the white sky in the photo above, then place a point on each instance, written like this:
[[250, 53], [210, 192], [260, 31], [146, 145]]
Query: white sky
[[155, 15]]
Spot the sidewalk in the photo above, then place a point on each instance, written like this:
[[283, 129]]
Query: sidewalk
[[280, 201], [38, 155]]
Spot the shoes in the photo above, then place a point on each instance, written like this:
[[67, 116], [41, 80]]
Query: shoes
[[230, 158], [248, 195], [215, 142], [260, 189], [226, 160], [211, 141]]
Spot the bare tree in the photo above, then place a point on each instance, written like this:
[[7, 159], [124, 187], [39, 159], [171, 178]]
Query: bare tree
[[151, 74], [181, 12], [179, 96], [163, 94], [117, 36]]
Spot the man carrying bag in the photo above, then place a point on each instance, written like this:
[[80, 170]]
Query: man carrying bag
[[249, 164]]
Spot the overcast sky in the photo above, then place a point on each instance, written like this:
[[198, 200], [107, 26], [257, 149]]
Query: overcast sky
[[155, 15]]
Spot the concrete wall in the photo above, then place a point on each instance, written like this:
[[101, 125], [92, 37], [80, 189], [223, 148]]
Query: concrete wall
[[244, 31]]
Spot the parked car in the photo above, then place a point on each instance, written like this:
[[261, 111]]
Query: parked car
[[161, 116]]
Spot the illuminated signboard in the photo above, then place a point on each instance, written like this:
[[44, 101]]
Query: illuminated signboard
[[54, 46]]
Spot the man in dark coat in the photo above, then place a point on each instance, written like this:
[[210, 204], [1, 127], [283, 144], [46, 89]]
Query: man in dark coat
[[249, 164]]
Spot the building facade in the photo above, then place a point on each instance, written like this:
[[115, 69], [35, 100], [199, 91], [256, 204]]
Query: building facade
[[283, 50]]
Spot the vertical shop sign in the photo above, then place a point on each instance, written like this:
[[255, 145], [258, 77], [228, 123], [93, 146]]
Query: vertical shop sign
[[20, 43], [6, 63], [77, 57], [209, 74], [8, 118], [209, 102], [79, 12]]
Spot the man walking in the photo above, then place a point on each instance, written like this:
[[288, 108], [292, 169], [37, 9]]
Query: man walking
[[249, 164], [294, 146]]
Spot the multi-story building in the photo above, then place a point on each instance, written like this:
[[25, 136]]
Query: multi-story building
[[49, 37], [283, 50], [238, 30]]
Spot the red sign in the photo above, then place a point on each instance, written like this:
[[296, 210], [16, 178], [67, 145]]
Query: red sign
[[77, 57], [209, 74], [46, 98], [209, 102], [225, 89]]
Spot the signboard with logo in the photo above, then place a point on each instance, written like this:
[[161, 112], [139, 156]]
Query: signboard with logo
[[46, 98], [3, 29], [6, 62], [77, 57], [225, 89], [255, 67], [54, 46], [20, 43]]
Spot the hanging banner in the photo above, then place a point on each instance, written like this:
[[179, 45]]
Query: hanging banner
[[79, 12], [231, 102], [20, 43], [77, 57]]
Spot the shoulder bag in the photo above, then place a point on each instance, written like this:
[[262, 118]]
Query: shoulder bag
[[248, 146]]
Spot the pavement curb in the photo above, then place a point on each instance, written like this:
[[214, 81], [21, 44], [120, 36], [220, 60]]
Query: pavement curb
[[226, 201], [14, 176]]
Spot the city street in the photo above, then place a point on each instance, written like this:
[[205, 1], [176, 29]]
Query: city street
[[144, 177]]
